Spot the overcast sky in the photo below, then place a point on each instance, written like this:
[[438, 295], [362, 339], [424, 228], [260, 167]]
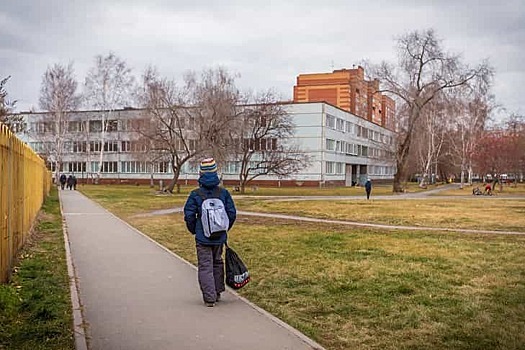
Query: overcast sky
[[267, 43]]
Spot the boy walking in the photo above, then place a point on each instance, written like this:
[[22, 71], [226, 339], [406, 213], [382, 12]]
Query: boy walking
[[209, 247]]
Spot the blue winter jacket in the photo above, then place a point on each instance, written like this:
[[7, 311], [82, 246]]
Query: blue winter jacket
[[192, 209]]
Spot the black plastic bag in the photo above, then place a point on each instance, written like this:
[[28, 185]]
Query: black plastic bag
[[237, 275]]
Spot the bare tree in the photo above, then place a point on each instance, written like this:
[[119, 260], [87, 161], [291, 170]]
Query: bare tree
[[58, 95], [470, 110], [183, 123], [214, 98], [14, 122], [108, 86], [423, 71], [263, 141], [432, 130]]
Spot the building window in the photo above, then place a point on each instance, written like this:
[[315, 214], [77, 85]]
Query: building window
[[134, 167], [75, 167], [330, 121], [125, 146], [330, 145], [79, 147], [95, 146], [232, 168], [340, 125], [111, 146], [109, 167], [330, 167], [339, 168], [112, 125], [95, 125], [75, 126], [162, 167]]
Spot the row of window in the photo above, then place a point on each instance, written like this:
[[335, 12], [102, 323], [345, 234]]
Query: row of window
[[90, 146], [338, 168], [137, 167], [344, 126], [356, 149], [381, 170], [111, 125], [335, 168], [136, 146], [113, 167]]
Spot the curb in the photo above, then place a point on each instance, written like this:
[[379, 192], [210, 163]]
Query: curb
[[79, 329]]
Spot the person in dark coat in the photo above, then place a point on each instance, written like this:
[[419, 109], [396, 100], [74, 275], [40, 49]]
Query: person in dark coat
[[368, 188], [209, 251], [70, 182], [63, 179]]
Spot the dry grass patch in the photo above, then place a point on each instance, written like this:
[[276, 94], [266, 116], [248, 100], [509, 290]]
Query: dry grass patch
[[477, 213], [363, 289], [505, 190]]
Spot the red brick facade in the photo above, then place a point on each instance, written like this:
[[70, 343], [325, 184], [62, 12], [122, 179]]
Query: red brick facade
[[348, 90]]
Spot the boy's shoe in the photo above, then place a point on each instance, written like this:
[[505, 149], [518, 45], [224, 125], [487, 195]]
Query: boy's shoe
[[208, 304]]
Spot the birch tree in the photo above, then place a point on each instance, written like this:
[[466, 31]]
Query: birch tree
[[108, 86], [423, 71], [59, 97], [433, 127], [470, 111]]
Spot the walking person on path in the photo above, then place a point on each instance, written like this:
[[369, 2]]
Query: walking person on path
[[368, 188], [63, 179], [209, 249], [70, 182]]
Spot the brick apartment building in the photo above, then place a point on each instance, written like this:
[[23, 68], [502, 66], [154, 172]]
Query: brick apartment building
[[348, 90]]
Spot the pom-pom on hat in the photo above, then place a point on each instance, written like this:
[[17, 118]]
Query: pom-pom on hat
[[208, 165]]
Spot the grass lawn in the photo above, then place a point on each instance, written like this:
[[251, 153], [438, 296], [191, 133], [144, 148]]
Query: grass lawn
[[505, 190], [352, 288], [35, 308], [479, 212]]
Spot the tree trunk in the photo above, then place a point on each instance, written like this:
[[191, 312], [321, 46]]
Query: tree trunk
[[176, 174], [401, 164]]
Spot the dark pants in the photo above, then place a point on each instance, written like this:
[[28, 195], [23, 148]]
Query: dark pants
[[368, 194], [211, 271]]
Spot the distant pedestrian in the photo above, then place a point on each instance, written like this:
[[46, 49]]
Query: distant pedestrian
[[70, 181], [209, 242], [74, 182], [63, 179], [368, 188]]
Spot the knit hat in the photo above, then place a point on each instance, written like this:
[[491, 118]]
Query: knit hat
[[208, 165]]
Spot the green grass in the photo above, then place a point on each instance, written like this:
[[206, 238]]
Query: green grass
[[35, 308], [351, 288]]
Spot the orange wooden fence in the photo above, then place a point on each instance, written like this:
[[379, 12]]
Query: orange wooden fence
[[24, 183]]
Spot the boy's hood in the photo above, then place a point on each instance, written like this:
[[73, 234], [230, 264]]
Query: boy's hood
[[209, 180]]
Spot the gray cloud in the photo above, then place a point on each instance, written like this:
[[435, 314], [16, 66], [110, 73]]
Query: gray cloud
[[267, 43]]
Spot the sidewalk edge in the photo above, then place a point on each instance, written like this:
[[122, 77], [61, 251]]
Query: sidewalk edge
[[79, 328]]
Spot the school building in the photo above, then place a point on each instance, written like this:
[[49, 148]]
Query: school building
[[344, 148]]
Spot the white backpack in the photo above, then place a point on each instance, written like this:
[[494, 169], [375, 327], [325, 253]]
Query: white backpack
[[214, 218]]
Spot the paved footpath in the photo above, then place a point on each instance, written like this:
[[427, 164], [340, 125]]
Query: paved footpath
[[136, 295]]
